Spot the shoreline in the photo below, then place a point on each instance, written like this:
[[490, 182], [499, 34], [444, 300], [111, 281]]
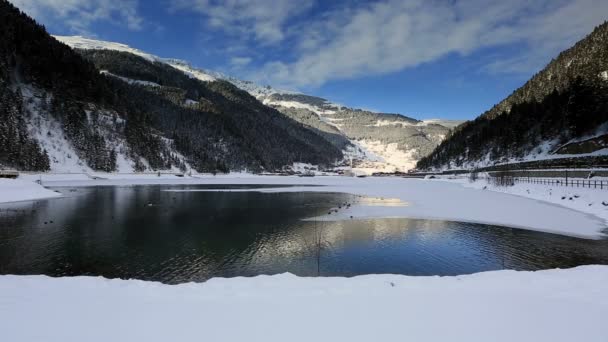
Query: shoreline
[[426, 199]]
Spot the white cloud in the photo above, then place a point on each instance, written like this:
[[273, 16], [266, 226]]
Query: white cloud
[[265, 20], [240, 62], [78, 15], [391, 35]]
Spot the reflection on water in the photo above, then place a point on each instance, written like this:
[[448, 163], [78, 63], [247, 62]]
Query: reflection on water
[[147, 233], [381, 201]]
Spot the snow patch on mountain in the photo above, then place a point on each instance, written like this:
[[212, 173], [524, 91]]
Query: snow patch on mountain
[[79, 42], [49, 133], [382, 123], [545, 150], [50, 136], [130, 80], [63, 157], [199, 74], [190, 102], [443, 122], [392, 158], [296, 104]]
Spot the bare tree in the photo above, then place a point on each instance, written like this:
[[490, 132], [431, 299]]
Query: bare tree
[[316, 244]]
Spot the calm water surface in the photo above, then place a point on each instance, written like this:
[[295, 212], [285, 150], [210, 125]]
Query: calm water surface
[[146, 232]]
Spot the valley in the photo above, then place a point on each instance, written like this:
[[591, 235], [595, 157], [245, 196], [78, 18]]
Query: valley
[[216, 190]]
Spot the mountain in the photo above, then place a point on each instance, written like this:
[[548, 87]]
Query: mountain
[[562, 112], [61, 112], [382, 141], [370, 141]]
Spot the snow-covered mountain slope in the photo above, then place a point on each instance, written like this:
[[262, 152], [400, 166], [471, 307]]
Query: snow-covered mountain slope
[[561, 112], [108, 105], [383, 142], [79, 42], [63, 156], [370, 141]]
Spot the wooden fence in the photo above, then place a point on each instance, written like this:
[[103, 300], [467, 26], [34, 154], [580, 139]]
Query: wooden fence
[[576, 183]]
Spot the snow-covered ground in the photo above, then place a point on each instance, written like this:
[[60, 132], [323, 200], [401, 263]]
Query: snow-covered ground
[[13, 190], [417, 198], [586, 200], [554, 305]]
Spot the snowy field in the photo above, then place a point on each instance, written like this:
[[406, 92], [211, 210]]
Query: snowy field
[[554, 305], [455, 200]]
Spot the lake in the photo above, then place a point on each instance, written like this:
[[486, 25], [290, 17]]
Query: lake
[[155, 233]]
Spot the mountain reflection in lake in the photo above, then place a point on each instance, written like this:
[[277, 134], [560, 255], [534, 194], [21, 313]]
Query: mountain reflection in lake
[[145, 232]]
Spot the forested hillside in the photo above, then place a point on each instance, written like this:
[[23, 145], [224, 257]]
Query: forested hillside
[[116, 110], [372, 141], [212, 120], [562, 111]]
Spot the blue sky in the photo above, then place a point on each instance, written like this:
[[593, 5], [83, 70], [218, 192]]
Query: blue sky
[[422, 58]]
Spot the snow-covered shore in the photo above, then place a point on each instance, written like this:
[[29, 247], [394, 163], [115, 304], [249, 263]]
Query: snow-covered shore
[[15, 190], [587, 200], [553, 305], [415, 198]]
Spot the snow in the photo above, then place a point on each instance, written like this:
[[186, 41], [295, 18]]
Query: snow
[[586, 200], [15, 190], [260, 92], [424, 199], [370, 156], [49, 133], [383, 123], [190, 102], [186, 68], [305, 168], [79, 42], [444, 122], [300, 105], [130, 80], [51, 137], [544, 150], [552, 305], [604, 75], [392, 157]]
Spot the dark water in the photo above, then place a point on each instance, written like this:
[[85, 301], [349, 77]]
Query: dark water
[[148, 233]]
